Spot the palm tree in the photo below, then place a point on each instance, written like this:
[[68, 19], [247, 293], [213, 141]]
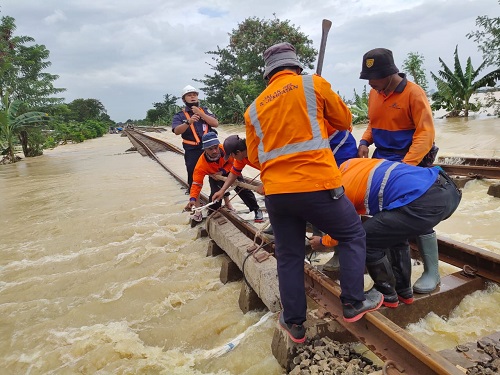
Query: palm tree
[[11, 124], [455, 88]]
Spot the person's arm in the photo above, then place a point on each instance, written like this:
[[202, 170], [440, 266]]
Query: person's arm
[[229, 181], [179, 124], [207, 117], [335, 111], [318, 243], [424, 135]]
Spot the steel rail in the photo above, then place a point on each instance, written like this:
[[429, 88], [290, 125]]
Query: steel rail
[[387, 340], [470, 161], [473, 171]]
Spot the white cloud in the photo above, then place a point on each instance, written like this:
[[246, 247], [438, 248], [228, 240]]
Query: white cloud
[[129, 54]]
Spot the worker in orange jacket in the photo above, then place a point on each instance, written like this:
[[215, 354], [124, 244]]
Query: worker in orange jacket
[[213, 161], [236, 148], [287, 139], [401, 125]]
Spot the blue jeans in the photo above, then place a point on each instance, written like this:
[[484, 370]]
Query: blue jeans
[[289, 214]]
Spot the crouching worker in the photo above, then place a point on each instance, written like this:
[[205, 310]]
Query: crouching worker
[[211, 162], [236, 148], [404, 201]]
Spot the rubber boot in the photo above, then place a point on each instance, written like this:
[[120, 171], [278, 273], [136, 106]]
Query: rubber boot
[[430, 279], [385, 282], [401, 267]]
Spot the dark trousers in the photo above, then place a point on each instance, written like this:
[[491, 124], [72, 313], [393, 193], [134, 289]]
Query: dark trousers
[[392, 228], [190, 159], [337, 217], [247, 196]]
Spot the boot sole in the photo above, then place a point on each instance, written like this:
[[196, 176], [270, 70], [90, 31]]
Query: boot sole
[[295, 340], [426, 291], [391, 305], [360, 315], [406, 301]]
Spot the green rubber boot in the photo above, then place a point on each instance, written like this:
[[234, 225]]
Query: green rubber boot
[[430, 279]]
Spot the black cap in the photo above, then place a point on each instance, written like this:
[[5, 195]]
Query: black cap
[[231, 143], [377, 64]]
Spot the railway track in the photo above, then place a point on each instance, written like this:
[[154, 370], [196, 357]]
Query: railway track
[[380, 331]]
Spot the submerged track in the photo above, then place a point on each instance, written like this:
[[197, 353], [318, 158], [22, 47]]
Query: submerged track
[[380, 332]]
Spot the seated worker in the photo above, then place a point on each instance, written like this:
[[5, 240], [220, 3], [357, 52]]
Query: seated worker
[[236, 148], [404, 201], [213, 161]]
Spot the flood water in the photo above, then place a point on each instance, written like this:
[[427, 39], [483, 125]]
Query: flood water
[[100, 272]]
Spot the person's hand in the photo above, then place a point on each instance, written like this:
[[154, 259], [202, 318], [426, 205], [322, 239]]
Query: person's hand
[[217, 196], [315, 243], [260, 190], [190, 205], [197, 111], [362, 151]]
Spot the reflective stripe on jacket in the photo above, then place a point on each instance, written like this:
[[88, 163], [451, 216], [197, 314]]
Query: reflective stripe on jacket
[[373, 185], [197, 140], [287, 133]]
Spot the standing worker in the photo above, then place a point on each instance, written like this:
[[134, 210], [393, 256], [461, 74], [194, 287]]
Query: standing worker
[[191, 123], [287, 138], [404, 201], [401, 124]]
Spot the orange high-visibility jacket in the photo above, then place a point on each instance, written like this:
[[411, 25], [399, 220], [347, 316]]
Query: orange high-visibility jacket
[[401, 121], [204, 167], [238, 166], [287, 133]]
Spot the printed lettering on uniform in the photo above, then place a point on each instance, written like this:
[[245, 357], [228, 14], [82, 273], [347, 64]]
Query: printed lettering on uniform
[[395, 106], [369, 62], [208, 112], [285, 89]]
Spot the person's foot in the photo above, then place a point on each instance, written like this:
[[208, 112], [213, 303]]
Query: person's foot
[[259, 216], [296, 332], [230, 207], [354, 312], [198, 216], [407, 299]]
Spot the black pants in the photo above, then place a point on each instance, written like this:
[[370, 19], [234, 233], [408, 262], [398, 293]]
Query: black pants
[[247, 196], [191, 157]]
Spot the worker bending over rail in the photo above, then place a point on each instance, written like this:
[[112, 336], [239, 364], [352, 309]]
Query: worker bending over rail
[[214, 161], [404, 201]]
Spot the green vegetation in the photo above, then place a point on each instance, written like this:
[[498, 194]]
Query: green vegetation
[[30, 113], [456, 87], [413, 65]]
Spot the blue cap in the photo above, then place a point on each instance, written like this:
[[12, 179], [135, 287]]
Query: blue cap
[[210, 139]]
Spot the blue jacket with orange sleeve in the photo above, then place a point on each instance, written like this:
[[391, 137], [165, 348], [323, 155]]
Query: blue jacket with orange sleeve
[[374, 185]]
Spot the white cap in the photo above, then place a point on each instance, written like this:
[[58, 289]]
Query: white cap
[[187, 90]]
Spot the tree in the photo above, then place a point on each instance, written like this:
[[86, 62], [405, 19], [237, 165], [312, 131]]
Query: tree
[[22, 68], [12, 122], [238, 68], [413, 65], [164, 112], [23, 83], [87, 109], [488, 38], [456, 87]]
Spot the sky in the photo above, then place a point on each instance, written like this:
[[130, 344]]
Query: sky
[[130, 54]]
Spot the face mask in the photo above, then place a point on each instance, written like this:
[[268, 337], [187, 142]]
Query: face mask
[[196, 104]]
